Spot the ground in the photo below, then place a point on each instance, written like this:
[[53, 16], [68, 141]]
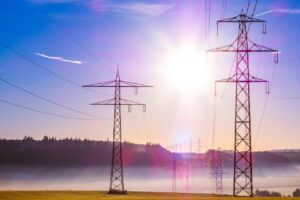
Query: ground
[[90, 195]]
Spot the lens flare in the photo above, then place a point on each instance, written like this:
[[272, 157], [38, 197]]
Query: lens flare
[[186, 69]]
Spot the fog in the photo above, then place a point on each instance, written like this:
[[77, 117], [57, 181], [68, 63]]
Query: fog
[[281, 179]]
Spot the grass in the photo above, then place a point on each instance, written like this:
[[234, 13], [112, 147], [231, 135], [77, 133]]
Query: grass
[[93, 195]]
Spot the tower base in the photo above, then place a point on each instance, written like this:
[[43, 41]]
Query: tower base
[[117, 192]]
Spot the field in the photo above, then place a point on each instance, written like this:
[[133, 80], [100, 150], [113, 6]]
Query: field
[[92, 195]]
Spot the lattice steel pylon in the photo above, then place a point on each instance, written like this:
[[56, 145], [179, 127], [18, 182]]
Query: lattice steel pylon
[[174, 170], [242, 46], [216, 169], [116, 175]]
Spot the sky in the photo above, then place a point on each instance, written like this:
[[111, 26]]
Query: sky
[[159, 43]]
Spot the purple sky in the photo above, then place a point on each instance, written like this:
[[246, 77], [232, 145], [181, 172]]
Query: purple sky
[[83, 41]]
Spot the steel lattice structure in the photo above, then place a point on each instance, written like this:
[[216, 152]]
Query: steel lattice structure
[[216, 169], [174, 169], [116, 174], [242, 47]]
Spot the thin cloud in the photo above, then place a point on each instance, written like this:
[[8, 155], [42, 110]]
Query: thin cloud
[[61, 59], [132, 9], [281, 10], [51, 1]]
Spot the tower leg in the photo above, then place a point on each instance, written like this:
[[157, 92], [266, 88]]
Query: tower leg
[[116, 175]]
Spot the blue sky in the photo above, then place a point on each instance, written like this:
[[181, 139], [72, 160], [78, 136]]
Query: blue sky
[[139, 36]]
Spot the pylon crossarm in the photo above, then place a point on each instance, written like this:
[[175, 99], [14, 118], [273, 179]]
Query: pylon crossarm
[[102, 84], [129, 102], [124, 102], [232, 79], [225, 48], [226, 80], [254, 47], [113, 84], [133, 84], [257, 48], [256, 79], [241, 18], [105, 102]]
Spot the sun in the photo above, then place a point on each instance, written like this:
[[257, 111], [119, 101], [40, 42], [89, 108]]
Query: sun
[[186, 69]]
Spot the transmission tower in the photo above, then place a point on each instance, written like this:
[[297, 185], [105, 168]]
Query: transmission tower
[[174, 167], [191, 145], [186, 166], [242, 47], [116, 174], [216, 169]]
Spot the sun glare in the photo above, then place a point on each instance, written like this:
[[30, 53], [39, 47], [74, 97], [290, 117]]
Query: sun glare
[[186, 69]]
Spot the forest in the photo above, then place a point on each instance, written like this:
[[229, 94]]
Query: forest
[[52, 152]]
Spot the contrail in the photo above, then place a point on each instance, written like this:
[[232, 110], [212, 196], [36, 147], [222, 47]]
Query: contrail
[[264, 13], [78, 62], [281, 10]]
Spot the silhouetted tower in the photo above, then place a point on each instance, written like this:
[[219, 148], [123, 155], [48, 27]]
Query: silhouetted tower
[[187, 174], [116, 175], [191, 145], [216, 170], [242, 46], [174, 167], [199, 145]]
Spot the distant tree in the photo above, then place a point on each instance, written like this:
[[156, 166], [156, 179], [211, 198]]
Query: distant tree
[[276, 194], [45, 138], [296, 193], [266, 193], [28, 138], [262, 193]]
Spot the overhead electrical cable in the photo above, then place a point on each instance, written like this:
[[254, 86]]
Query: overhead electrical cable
[[71, 37], [45, 99], [44, 112], [45, 68], [248, 6], [272, 80], [214, 117]]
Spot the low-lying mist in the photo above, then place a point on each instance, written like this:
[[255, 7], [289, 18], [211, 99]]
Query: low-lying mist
[[282, 179]]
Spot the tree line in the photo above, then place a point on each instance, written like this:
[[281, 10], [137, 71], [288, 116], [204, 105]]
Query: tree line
[[266, 193], [77, 152]]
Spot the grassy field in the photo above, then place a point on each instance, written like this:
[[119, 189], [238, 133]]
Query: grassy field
[[83, 195]]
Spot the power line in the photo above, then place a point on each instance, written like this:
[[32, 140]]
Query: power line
[[290, 98], [248, 6], [285, 15], [265, 106], [224, 5], [256, 2], [44, 112], [149, 131], [207, 10], [223, 10], [214, 122], [272, 80], [67, 34], [135, 127], [254, 9], [291, 59], [44, 68], [227, 85], [45, 99]]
